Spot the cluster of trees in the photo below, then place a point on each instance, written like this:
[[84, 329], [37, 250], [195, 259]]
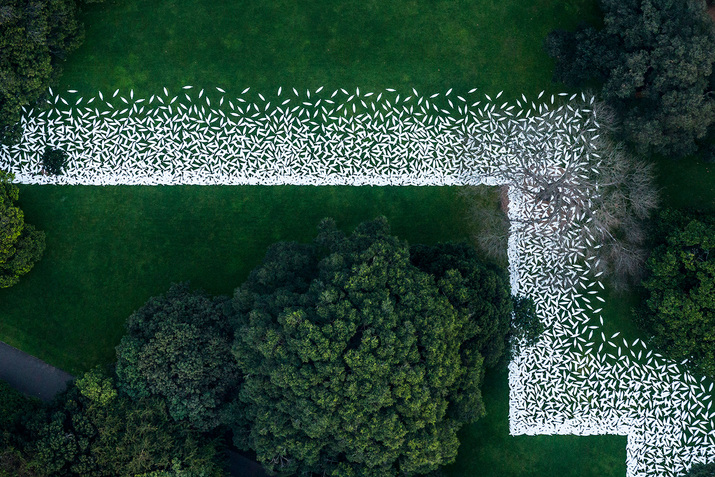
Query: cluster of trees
[[35, 36], [653, 60], [350, 355], [21, 245], [94, 430], [679, 311]]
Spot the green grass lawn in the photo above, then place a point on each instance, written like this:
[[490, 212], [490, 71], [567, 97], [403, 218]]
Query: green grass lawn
[[109, 249], [687, 183], [371, 44]]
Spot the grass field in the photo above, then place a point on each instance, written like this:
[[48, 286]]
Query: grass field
[[109, 249], [432, 46]]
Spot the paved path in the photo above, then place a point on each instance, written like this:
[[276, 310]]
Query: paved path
[[31, 375]]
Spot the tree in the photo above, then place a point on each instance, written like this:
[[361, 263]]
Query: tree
[[483, 293], [15, 409], [92, 429], [597, 202], [654, 60], [54, 161], [178, 347], [35, 36], [354, 360], [21, 245], [526, 326], [680, 307]]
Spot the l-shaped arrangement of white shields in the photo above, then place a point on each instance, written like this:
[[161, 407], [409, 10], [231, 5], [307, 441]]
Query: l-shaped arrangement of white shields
[[575, 380]]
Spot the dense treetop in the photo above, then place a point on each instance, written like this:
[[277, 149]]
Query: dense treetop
[[94, 430], [35, 35], [654, 61], [21, 245], [680, 308], [356, 361], [178, 347]]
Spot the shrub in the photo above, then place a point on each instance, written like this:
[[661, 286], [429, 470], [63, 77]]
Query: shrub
[[680, 308], [54, 161]]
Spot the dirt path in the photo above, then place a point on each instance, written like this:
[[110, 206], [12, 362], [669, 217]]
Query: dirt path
[[31, 375]]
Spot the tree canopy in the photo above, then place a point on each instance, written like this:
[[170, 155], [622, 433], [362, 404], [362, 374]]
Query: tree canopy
[[21, 245], [35, 36], [358, 362], [92, 429], [654, 61], [178, 347], [680, 308]]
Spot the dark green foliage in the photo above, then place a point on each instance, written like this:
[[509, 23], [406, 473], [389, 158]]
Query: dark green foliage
[[482, 290], [178, 347], [701, 470], [680, 308], [526, 326], [35, 36], [20, 244], [654, 60], [92, 430], [15, 407], [355, 361], [15, 410], [54, 161]]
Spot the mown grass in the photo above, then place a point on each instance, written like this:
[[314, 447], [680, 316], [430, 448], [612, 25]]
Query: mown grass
[[102, 241], [371, 44]]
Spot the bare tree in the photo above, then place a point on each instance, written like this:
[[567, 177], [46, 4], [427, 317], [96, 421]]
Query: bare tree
[[487, 213], [590, 197]]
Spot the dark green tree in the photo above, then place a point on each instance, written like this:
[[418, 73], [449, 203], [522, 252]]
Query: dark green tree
[[54, 160], [15, 410], [680, 308], [654, 61], [178, 347], [481, 289], [355, 362], [21, 246], [35, 36], [93, 430]]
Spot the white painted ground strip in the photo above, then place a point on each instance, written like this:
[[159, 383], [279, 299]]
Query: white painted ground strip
[[576, 380]]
